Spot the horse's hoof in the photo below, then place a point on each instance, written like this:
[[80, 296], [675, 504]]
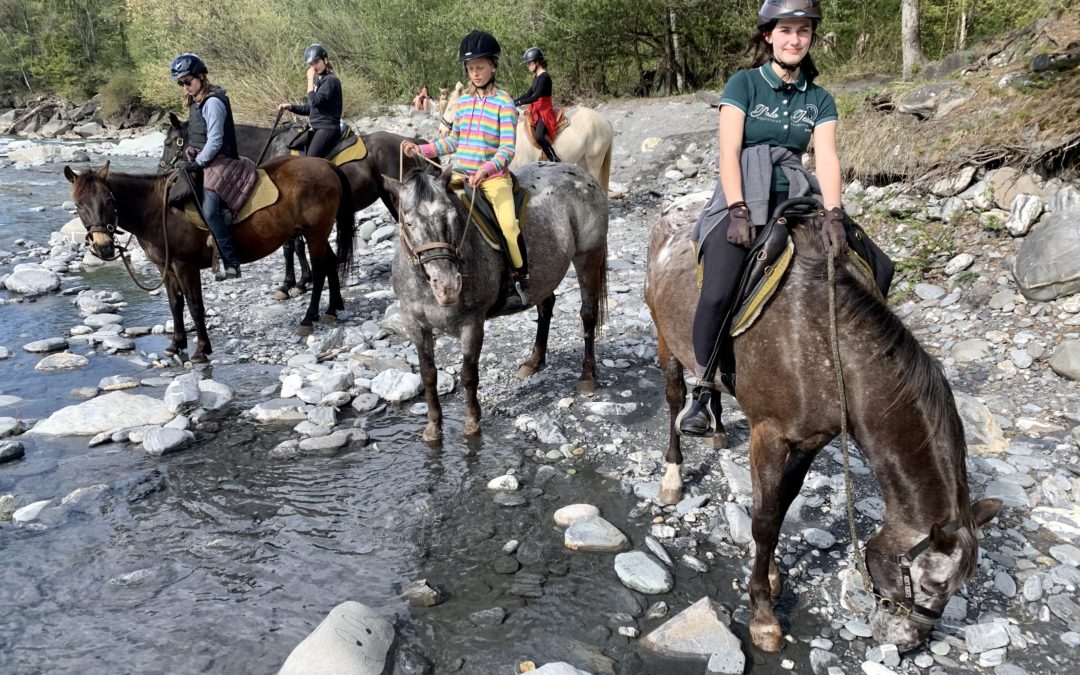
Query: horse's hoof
[[329, 319], [525, 372], [198, 357], [295, 292], [280, 295], [304, 331], [718, 441], [670, 496], [432, 434], [767, 636], [586, 387], [172, 351], [471, 428]]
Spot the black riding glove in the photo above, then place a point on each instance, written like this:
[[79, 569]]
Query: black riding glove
[[740, 230], [188, 165], [833, 235]]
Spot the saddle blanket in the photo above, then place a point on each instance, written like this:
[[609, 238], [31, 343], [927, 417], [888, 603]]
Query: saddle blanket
[[263, 195]]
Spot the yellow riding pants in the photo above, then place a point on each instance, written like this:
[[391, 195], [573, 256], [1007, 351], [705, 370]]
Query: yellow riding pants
[[500, 192]]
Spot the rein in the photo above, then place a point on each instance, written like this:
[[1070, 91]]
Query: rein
[[443, 251], [906, 608], [122, 249]]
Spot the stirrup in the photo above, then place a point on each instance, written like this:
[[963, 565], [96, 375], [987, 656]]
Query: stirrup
[[696, 418]]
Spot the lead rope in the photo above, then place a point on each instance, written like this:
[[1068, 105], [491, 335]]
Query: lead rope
[[164, 234], [401, 223], [834, 343]]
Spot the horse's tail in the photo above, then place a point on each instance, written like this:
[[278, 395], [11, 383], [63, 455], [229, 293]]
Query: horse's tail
[[605, 170], [346, 225]]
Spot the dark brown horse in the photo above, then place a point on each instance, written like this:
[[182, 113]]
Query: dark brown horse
[[365, 175], [313, 193], [900, 411]]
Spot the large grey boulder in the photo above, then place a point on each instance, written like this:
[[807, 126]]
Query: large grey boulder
[[1007, 183], [115, 410], [1048, 263], [32, 279], [1066, 359], [351, 639], [697, 632], [934, 100]]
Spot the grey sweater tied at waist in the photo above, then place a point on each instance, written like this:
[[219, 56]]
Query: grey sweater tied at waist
[[757, 164]]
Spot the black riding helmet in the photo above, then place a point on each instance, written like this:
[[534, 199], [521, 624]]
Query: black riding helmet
[[187, 64], [533, 54], [315, 52], [478, 44], [774, 10]]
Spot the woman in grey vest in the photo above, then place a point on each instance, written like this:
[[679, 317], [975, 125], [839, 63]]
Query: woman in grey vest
[[211, 142], [769, 114]]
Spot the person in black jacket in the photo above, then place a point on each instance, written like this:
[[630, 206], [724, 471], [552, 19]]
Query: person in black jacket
[[323, 106], [538, 98]]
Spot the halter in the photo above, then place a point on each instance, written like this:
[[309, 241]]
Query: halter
[[907, 608], [179, 142], [420, 255]]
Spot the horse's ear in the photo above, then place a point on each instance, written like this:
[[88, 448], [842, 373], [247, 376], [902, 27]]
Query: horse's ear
[[446, 176], [104, 170], [69, 174], [985, 510], [174, 120], [940, 540], [391, 185]]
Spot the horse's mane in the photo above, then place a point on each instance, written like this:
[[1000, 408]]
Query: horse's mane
[[921, 378]]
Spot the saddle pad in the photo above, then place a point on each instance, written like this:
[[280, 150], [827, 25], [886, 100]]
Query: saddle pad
[[349, 149], [265, 194], [561, 122]]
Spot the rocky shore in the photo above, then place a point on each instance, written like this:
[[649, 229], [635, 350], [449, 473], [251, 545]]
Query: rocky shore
[[988, 281]]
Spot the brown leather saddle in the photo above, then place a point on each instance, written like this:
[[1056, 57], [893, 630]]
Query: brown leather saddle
[[561, 122]]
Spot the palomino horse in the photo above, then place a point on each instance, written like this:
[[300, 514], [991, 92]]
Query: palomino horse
[[312, 192], [900, 411], [365, 175], [449, 279], [586, 140]]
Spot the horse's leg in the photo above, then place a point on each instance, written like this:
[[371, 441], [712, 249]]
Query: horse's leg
[[176, 306], [333, 282], [305, 269], [591, 270], [719, 439], [429, 375], [191, 283], [472, 341], [536, 360], [777, 473], [321, 257], [289, 250], [671, 485]]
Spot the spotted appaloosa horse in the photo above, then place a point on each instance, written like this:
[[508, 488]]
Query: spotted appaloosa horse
[[449, 279], [900, 412]]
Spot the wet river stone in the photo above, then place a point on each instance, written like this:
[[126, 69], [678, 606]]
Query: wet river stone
[[353, 638], [593, 533], [640, 572], [565, 516], [697, 632], [10, 451], [115, 410], [62, 361]]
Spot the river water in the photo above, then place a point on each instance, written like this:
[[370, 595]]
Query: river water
[[218, 559]]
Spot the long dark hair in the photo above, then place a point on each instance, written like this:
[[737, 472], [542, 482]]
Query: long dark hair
[[763, 52]]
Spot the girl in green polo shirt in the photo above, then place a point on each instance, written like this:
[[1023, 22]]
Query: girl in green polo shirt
[[769, 113]]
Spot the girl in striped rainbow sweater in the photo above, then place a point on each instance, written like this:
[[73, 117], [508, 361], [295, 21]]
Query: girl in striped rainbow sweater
[[482, 139]]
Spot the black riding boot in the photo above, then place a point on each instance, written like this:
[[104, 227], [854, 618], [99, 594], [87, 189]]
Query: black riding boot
[[518, 295], [549, 152], [697, 417]]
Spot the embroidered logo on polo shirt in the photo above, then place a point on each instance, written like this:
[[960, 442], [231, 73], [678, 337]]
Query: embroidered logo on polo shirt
[[762, 110], [809, 114]]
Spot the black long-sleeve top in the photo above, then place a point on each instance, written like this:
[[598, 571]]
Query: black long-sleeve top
[[541, 86], [324, 103]]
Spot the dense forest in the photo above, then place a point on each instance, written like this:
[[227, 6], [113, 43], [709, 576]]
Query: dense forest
[[384, 50]]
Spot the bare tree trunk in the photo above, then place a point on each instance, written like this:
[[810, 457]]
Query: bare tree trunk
[[680, 82], [909, 36], [669, 58]]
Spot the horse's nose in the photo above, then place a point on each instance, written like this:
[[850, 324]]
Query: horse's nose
[[446, 287]]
